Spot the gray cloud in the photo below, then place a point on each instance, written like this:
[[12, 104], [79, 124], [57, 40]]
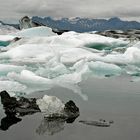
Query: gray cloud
[[14, 9]]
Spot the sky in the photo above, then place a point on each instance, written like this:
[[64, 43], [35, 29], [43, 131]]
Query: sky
[[13, 10]]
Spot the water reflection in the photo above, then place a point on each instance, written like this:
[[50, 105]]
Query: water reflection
[[52, 126], [16, 109], [8, 121], [47, 126]]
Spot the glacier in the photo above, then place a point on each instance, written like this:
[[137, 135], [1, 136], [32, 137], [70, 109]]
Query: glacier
[[40, 59]]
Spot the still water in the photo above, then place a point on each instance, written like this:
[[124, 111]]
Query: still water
[[116, 99]]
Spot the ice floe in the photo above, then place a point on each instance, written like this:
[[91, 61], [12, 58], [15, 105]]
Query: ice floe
[[35, 32], [41, 59], [50, 105]]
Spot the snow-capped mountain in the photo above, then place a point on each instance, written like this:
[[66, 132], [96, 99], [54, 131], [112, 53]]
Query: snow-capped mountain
[[85, 24]]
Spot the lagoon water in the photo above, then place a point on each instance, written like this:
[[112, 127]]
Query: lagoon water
[[115, 99], [100, 74]]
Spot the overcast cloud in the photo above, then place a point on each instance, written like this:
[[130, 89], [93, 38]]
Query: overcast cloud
[[15, 9]]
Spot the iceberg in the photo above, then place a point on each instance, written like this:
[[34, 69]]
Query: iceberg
[[41, 59], [12, 87], [6, 68], [29, 78], [6, 38], [41, 31], [50, 105]]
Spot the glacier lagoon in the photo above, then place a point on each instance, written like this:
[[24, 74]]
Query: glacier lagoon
[[103, 82]]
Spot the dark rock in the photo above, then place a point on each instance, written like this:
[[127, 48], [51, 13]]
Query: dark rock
[[71, 110], [129, 34], [9, 103], [8, 121], [25, 106], [21, 106], [59, 32]]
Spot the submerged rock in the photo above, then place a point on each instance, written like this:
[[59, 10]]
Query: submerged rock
[[98, 123]]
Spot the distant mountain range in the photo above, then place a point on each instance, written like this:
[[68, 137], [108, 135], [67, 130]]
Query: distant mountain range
[[83, 24], [13, 25]]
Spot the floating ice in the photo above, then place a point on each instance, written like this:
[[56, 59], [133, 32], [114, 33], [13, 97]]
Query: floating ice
[[50, 105], [12, 87], [6, 68], [65, 60], [104, 69], [6, 37], [36, 32], [31, 79]]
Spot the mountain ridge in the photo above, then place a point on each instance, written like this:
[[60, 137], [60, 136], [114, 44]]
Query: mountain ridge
[[85, 24], [82, 24]]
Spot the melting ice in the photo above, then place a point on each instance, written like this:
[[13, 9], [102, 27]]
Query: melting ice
[[41, 59]]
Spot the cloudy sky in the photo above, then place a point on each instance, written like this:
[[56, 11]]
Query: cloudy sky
[[126, 9]]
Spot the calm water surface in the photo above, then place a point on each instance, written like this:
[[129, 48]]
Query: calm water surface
[[115, 99]]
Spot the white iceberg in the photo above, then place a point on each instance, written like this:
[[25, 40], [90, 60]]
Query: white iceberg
[[6, 68], [50, 105], [41, 31]]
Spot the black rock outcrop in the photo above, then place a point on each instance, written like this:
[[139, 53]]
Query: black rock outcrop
[[15, 108]]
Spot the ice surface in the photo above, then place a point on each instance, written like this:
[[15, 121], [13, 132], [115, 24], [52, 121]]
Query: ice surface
[[50, 105], [5, 29], [5, 69], [35, 32], [6, 37], [30, 79], [12, 87], [104, 69], [42, 59]]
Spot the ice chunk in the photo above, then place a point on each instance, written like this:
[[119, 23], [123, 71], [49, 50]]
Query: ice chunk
[[6, 37], [132, 55], [6, 68], [52, 69], [50, 105], [35, 32], [104, 69], [31, 79], [11, 86]]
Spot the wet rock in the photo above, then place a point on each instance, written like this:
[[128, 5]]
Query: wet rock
[[8, 121], [71, 110], [21, 106], [59, 32], [24, 106], [17, 108]]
